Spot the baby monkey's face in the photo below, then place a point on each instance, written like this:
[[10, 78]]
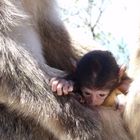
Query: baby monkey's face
[[95, 97]]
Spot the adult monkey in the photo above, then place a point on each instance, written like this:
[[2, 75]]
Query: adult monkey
[[132, 110], [45, 33], [28, 109]]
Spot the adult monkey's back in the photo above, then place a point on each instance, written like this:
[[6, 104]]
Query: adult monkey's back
[[28, 109]]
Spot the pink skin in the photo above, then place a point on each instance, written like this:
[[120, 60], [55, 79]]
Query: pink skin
[[95, 97], [61, 86]]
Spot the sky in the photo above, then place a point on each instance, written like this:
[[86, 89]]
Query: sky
[[121, 18]]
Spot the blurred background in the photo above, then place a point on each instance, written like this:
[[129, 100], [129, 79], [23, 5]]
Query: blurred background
[[112, 24]]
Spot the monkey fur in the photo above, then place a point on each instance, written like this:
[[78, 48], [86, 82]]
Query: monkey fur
[[29, 110]]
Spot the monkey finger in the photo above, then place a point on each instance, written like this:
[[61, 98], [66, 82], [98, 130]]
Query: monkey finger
[[54, 84], [52, 80], [60, 88], [71, 86], [66, 88]]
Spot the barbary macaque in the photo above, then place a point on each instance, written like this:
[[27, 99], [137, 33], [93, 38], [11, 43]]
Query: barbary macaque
[[97, 77], [29, 31], [28, 109], [132, 109]]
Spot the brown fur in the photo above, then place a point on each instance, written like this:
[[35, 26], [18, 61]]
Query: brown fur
[[110, 101], [55, 39], [113, 125], [29, 110]]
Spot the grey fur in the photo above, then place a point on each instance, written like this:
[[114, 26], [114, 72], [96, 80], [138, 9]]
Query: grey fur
[[29, 110]]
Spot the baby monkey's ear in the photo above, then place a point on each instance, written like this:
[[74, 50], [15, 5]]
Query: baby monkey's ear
[[122, 71]]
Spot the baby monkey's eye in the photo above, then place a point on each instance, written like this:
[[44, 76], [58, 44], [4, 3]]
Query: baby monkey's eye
[[86, 93], [102, 95]]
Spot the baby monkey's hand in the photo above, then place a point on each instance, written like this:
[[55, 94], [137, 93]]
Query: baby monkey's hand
[[61, 86]]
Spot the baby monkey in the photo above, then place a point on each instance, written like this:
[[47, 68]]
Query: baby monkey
[[96, 75]]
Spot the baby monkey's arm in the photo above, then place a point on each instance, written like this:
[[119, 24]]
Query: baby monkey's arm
[[61, 86]]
